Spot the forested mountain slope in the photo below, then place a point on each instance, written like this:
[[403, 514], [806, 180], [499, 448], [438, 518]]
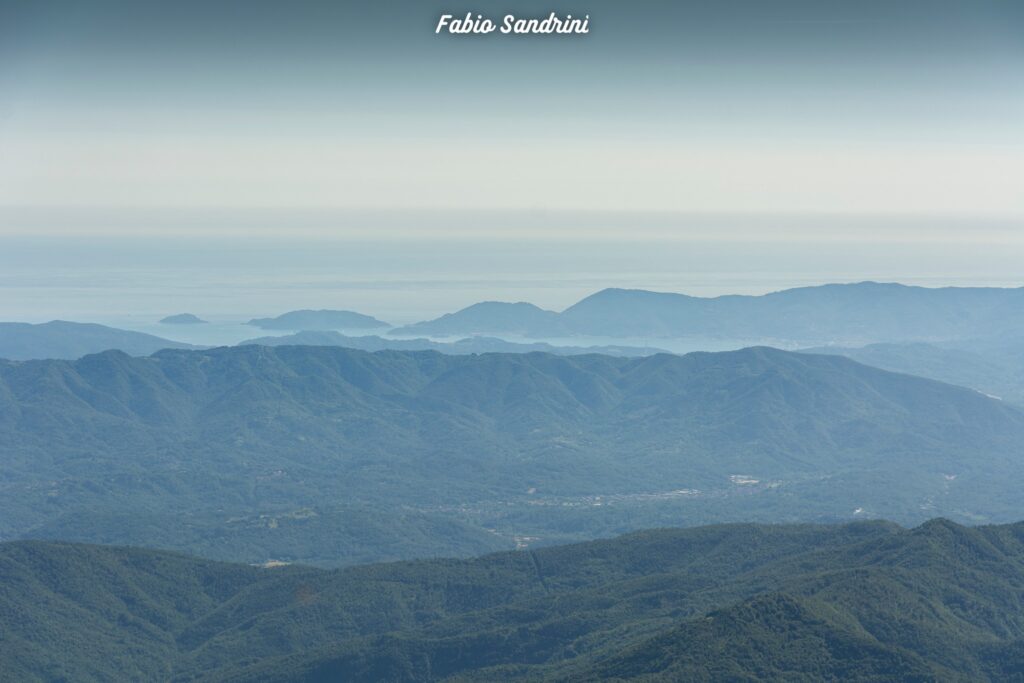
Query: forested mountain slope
[[334, 456], [867, 601]]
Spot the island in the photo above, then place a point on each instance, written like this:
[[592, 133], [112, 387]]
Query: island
[[318, 320], [183, 319]]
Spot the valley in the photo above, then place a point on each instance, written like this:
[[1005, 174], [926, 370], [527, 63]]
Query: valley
[[407, 454]]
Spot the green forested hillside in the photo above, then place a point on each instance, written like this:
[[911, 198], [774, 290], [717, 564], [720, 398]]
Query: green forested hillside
[[866, 601], [335, 456]]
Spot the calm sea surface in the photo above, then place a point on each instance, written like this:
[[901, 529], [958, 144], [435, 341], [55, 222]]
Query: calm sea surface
[[134, 283]]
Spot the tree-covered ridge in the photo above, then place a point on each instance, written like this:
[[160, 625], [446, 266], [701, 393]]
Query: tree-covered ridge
[[863, 602], [336, 456]]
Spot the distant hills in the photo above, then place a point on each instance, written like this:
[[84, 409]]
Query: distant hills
[[318, 320], [334, 456], [182, 319], [493, 317], [68, 340], [828, 317], [852, 314], [468, 345], [860, 602], [994, 367]]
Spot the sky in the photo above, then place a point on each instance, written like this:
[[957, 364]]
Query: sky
[[813, 139], [871, 108]]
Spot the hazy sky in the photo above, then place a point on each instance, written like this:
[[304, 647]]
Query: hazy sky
[[336, 118]]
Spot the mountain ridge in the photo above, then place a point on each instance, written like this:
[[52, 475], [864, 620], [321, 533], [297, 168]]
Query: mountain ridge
[[66, 340], [862, 312], [461, 346], [863, 601], [994, 367], [322, 453]]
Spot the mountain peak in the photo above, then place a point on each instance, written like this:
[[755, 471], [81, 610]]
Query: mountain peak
[[494, 317]]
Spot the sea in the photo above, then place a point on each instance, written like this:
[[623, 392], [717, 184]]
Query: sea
[[132, 283]]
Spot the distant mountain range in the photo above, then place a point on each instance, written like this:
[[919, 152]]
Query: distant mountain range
[[860, 602], [319, 320], [829, 317], [846, 313], [462, 346], [68, 340], [334, 456]]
